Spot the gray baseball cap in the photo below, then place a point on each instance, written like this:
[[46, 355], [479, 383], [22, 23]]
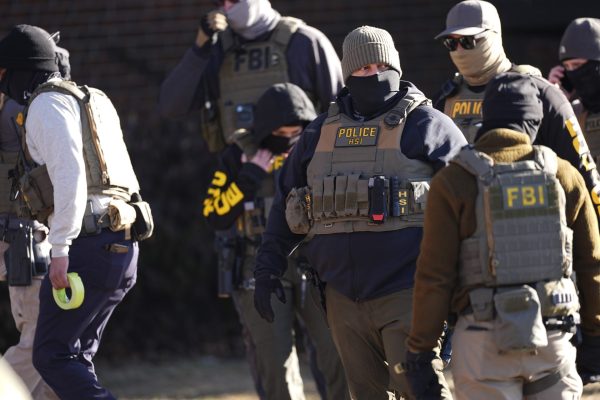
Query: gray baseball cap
[[581, 40], [471, 17]]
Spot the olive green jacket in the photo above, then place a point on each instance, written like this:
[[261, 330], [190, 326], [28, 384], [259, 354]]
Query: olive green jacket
[[450, 218]]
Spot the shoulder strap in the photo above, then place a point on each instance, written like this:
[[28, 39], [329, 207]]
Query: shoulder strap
[[448, 89], [476, 163], [546, 158], [526, 69], [286, 27], [404, 107]]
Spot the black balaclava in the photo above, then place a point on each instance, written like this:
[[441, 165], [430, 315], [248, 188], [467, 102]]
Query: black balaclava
[[18, 84], [511, 101], [586, 82], [29, 55], [283, 104], [370, 93]]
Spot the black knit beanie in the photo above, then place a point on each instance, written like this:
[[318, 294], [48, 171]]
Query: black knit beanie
[[283, 104], [512, 100], [28, 47]]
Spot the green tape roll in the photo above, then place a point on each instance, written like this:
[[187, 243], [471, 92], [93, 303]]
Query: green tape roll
[[77, 293]]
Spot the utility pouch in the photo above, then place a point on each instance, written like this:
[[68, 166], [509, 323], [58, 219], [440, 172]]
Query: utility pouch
[[558, 298], [297, 210], [19, 257], [254, 219], [229, 265], [482, 303], [41, 253], [328, 196], [378, 208], [420, 190], [143, 226], [518, 324], [38, 192], [121, 215]]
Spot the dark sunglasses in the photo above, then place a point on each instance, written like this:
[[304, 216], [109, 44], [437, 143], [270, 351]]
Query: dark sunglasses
[[466, 42]]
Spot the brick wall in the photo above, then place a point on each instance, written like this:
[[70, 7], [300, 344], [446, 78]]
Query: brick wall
[[126, 47]]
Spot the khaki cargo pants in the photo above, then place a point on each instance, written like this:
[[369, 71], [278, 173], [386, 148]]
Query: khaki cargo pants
[[481, 373], [25, 307]]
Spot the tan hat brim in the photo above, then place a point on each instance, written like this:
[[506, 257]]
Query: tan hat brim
[[461, 30]]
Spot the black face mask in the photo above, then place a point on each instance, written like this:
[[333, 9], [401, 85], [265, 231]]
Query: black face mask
[[369, 93], [586, 82], [19, 84], [279, 144]]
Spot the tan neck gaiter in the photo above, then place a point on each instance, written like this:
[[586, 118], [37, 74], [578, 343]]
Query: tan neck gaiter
[[481, 64]]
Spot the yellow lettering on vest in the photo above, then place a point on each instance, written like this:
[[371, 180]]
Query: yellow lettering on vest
[[219, 179], [403, 202], [528, 194], [214, 192], [575, 131], [221, 205], [233, 194], [208, 207], [403, 193], [588, 162], [512, 195], [278, 162], [341, 132], [455, 109], [477, 107], [541, 198]]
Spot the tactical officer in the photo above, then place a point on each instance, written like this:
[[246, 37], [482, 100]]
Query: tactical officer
[[473, 37], [579, 77], [507, 224], [247, 179], [356, 185], [75, 155], [24, 284], [240, 50]]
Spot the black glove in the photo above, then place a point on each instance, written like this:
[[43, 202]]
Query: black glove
[[262, 296], [213, 22], [588, 359], [421, 375]]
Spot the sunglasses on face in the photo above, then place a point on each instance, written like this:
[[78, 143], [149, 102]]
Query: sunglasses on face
[[466, 42]]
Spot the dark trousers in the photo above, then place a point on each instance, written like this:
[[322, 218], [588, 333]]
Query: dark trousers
[[66, 341]]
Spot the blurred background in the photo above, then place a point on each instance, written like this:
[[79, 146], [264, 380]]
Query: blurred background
[[126, 48]]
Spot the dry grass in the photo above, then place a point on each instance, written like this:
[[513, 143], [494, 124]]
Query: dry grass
[[202, 378]]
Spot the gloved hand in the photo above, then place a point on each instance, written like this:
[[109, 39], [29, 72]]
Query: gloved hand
[[588, 359], [262, 296], [210, 23], [421, 375]]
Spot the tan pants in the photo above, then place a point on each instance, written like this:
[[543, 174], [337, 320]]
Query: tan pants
[[370, 338], [481, 373], [25, 306]]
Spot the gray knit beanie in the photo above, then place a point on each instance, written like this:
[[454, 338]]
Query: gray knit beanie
[[581, 40], [368, 45]]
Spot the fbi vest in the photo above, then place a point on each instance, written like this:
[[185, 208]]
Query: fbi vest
[[108, 168], [590, 124], [521, 235], [351, 155], [247, 71], [464, 105]]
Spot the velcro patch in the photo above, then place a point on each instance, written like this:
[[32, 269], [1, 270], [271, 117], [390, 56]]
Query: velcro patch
[[356, 136], [525, 196]]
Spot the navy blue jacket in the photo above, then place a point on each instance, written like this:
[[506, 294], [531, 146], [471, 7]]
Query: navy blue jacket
[[360, 265]]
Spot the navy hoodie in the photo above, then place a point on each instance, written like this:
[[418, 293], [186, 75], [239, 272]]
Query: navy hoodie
[[360, 265]]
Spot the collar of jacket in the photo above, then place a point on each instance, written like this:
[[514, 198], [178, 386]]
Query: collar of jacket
[[505, 145]]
